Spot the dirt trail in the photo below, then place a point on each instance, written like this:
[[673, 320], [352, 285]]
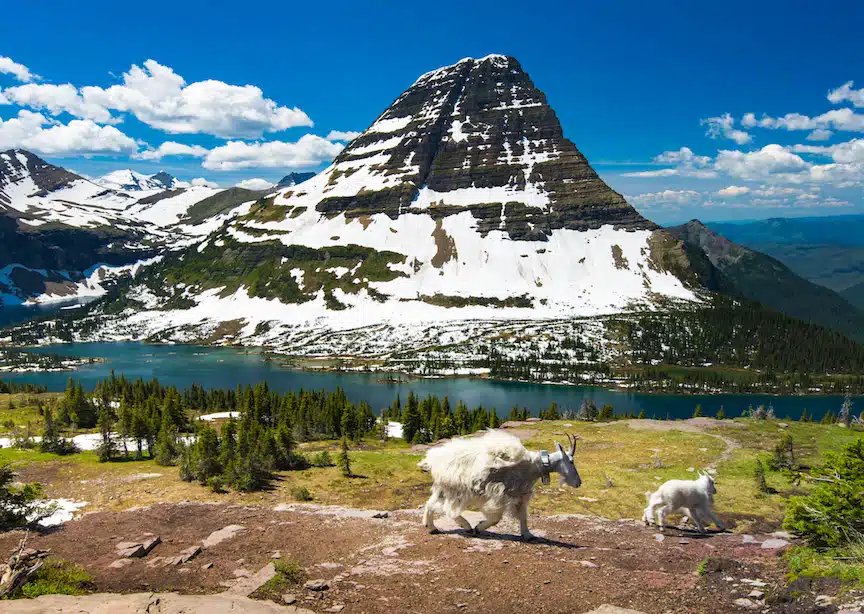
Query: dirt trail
[[692, 425], [391, 564]]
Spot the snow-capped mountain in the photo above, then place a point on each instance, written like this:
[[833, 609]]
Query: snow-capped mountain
[[62, 235], [292, 179], [461, 203], [128, 180]]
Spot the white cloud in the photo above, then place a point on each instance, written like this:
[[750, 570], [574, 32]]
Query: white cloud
[[171, 148], [845, 92], [850, 152], [733, 191], [78, 137], [770, 161], [338, 135], [201, 182], [19, 71], [309, 151], [667, 199], [836, 119], [687, 164], [160, 98], [256, 184], [820, 134], [57, 99], [723, 126]]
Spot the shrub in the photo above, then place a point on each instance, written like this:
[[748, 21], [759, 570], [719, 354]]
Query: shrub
[[20, 505], [784, 454], [57, 578], [833, 513], [289, 570], [762, 487], [301, 493], [322, 459]]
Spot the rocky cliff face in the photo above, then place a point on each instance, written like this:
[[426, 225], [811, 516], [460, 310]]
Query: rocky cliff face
[[292, 179], [475, 136]]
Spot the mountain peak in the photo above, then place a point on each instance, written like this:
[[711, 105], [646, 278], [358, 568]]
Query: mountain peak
[[476, 135], [292, 179]]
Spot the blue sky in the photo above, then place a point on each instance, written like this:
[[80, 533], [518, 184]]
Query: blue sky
[[633, 84]]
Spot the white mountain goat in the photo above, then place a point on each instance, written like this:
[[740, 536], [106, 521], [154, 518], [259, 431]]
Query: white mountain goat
[[493, 472], [692, 497]]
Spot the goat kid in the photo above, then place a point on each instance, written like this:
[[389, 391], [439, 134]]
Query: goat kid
[[494, 473], [691, 497]]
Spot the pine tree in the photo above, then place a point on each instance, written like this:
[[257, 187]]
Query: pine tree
[[697, 413], [494, 423], [804, 416], [641, 415], [410, 419], [106, 430], [343, 460], [845, 416], [721, 413], [166, 444], [828, 418]]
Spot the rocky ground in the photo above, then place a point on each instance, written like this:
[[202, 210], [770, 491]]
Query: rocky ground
[[356, 562]]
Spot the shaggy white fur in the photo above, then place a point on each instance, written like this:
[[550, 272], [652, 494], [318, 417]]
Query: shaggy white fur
[[494, 473], [692, 497]]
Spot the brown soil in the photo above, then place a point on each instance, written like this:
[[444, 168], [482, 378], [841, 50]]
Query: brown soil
[[394, 565]]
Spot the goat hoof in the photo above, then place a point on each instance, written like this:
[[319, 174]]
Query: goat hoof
[[528, 537]]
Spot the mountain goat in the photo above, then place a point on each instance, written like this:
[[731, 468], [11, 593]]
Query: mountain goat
[[692, 497], [493, 472]]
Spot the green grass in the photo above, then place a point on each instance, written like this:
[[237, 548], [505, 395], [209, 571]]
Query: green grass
[[702, 567], [56, 577], [289, 575], [845, 564]]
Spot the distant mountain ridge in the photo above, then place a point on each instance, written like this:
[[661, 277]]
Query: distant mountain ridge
[[292, 179], [761, 278]]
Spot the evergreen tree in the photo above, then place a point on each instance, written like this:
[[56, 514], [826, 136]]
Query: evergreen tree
[[721, 413], [641, 415], [697, 413], [804, 417], [410, 419], [166, 444], [494, 422], [845, 416], [106, 430], [343, 460]]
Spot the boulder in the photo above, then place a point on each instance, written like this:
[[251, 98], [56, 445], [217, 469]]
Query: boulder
[[217, 537]]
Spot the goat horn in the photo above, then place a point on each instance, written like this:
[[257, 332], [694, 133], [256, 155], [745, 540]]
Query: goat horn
[[572, 441]]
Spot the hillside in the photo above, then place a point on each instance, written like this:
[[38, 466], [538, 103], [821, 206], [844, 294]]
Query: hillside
[[828, 251], [760, 278]]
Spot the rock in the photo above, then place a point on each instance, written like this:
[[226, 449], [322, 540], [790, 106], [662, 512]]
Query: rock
[[137, 549], [782, 425], [246, 585], [587, 564], [276, 555], [241, 573], [743, 602], [613, 609], [659, 537], [461, 605], [130, 550], [756, 594], [167, 603], [757, 583], [206, 566], [823, 600], [120, 563], [381, 515], [288, 599], [774, 544], [316, 585], [588, 499], [691, 469], [217, 537], [149, 544], [335, 608], [185, 556], [683, 542], [749, 539], [781, 535]]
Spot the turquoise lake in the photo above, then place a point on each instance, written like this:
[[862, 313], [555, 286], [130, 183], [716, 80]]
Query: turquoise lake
[[183, 365]]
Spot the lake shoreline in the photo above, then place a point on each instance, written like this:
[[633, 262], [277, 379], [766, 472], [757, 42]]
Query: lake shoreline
[[304, 365]]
